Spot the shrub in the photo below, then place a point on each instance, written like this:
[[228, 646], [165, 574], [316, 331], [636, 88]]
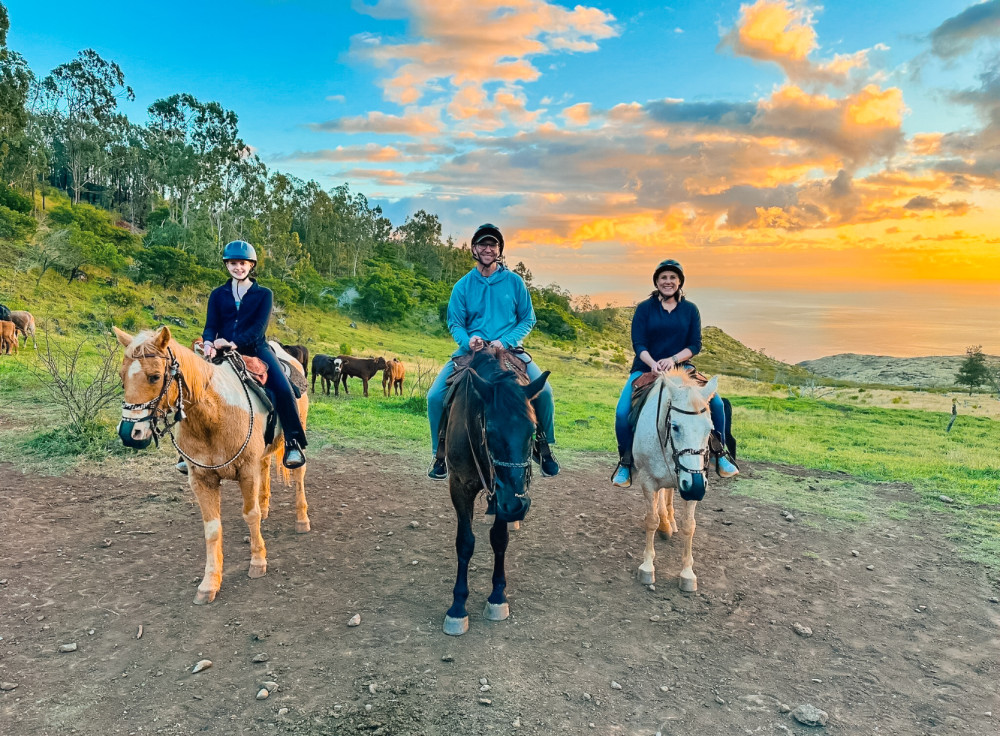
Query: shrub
[[14, 200], [14, 225]]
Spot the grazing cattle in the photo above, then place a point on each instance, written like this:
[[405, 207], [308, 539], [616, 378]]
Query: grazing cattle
[[4, 314], [392, 377], [301, 354], [328, 369], [25, 324], [363, 368], [8, 337]]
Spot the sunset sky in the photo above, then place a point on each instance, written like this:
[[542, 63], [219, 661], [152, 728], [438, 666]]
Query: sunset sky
[[828, 175]]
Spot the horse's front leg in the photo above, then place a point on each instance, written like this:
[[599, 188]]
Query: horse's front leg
[[265, 485], [646, 574], [689, 581], [497, 608], [456, 621], [205, 485], [250, 486]]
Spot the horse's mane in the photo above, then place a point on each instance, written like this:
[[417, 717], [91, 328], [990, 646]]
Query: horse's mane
[[507, 394], [141, 347]]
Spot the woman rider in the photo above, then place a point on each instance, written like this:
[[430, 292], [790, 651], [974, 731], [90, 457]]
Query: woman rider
[[666, 332], [238, 313]]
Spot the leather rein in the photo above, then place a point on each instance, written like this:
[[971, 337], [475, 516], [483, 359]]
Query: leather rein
[[171, 373], [678, 454]]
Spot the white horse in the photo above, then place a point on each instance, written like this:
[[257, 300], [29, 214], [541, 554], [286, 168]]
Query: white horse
[[670, 451]]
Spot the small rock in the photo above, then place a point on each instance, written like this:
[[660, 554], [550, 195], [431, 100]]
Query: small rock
[[263, 694], [270, 685], [654, 618], [261, 657], [372, 688], [414, 524], [788, 517], [282, 711], [485, 688], [802, 630], [664, 688], [784, 708], [106, 543], [855, 553], [415, 562], [485, 701], [90, 632], [810, 715], [355, 620], [586, 645], [7, 685], [946, 499], [870, 567], [592, 725], [67, 647], [615, 685], [994, 599], [203, 664], [586, 696], [447, 658], [719, 700], [651, 587], [483, 681], [516, 723], [368, 707]]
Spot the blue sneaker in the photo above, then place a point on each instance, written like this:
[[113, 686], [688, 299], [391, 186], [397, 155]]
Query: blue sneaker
[[726, 469], [622, 477]]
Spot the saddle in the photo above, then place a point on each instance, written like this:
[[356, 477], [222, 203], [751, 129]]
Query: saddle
[[257, 369], [510, 360]]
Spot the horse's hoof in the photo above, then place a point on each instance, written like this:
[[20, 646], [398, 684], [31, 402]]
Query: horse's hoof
[[204, 596], [647, 577], [456, 626], [496, 611], [264, 512], [513, 526], [664, 533], [689, 582], [302, 526], [258, 571]]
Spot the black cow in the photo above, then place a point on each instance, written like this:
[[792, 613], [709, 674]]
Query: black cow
[[300, 353], [5, 314], [363, 368], [328, 370]]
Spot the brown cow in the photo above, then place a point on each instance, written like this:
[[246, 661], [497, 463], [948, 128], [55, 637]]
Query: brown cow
[[8, 337], [363, 368], [392, 377], [25, 324], [300, 353]]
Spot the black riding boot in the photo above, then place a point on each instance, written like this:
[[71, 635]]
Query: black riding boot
[[542, 454]]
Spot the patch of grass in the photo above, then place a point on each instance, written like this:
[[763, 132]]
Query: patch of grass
[[841, 500]]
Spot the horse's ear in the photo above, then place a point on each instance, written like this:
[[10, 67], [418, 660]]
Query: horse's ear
[[535, 387], [161, 337], [710, 388], [123, 337], [483, 388]]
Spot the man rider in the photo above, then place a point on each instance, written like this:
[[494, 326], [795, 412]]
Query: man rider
[[490, 305]]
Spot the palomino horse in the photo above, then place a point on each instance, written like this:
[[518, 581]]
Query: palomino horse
[[670, 452], [488, 446], [220, 431]]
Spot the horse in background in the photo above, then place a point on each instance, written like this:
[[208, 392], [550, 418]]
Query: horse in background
[[488, 446], [24, 323], [220, 431], [670, 451]]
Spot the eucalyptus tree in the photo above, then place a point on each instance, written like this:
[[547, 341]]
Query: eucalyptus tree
[[81, 105], [15, 82]]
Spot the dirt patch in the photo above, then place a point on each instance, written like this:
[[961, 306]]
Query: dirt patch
[[909, 647]]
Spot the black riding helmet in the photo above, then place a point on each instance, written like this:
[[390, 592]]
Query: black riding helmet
[[488, 232], [669, 265]]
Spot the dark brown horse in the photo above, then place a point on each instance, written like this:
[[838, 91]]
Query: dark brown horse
[[488, 446]]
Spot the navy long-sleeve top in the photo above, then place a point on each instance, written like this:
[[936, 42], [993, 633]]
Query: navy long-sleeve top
[[662, 333], [245, 326]]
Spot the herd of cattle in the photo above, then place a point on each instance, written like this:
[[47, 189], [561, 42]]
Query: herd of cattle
[[11, 324], [335, 370]]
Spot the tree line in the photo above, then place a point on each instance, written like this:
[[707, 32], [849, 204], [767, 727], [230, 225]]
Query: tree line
[[155, 201]]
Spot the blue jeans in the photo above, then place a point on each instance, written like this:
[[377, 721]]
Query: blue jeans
[[624, 432], [543, 404], [284, 399]]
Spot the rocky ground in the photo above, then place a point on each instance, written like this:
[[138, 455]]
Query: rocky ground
[[926, 372]]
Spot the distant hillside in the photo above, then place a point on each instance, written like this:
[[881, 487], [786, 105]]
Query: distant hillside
[[937, 371], [721, 353]]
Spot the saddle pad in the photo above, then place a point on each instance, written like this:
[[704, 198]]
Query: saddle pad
[[294, 376]]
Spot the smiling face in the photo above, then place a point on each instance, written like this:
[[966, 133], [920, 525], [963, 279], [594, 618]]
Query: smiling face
[[239, 269], [486, 251], [668, 284]]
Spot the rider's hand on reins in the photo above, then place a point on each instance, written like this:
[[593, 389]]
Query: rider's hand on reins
[[476, 343]]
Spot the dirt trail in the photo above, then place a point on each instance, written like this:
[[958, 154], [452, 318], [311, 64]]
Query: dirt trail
[[909, 647]]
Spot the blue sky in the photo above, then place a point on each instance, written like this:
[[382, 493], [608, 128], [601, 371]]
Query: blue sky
[[771, 146]]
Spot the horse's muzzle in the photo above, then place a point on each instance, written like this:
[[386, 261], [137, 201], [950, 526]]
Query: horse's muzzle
[[126, 431], [692, 486], [512, 508]]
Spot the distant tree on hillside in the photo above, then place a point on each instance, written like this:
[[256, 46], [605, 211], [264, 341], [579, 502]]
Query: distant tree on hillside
[[973, 372]]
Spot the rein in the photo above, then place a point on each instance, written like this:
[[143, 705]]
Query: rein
[[490, 487], [172, 373], [677, 455]]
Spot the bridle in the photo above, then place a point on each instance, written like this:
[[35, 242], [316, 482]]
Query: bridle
[[490, 486], [171, 373], [678, 454]]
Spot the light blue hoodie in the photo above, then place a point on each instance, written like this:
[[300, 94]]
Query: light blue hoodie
[[497, 307]]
